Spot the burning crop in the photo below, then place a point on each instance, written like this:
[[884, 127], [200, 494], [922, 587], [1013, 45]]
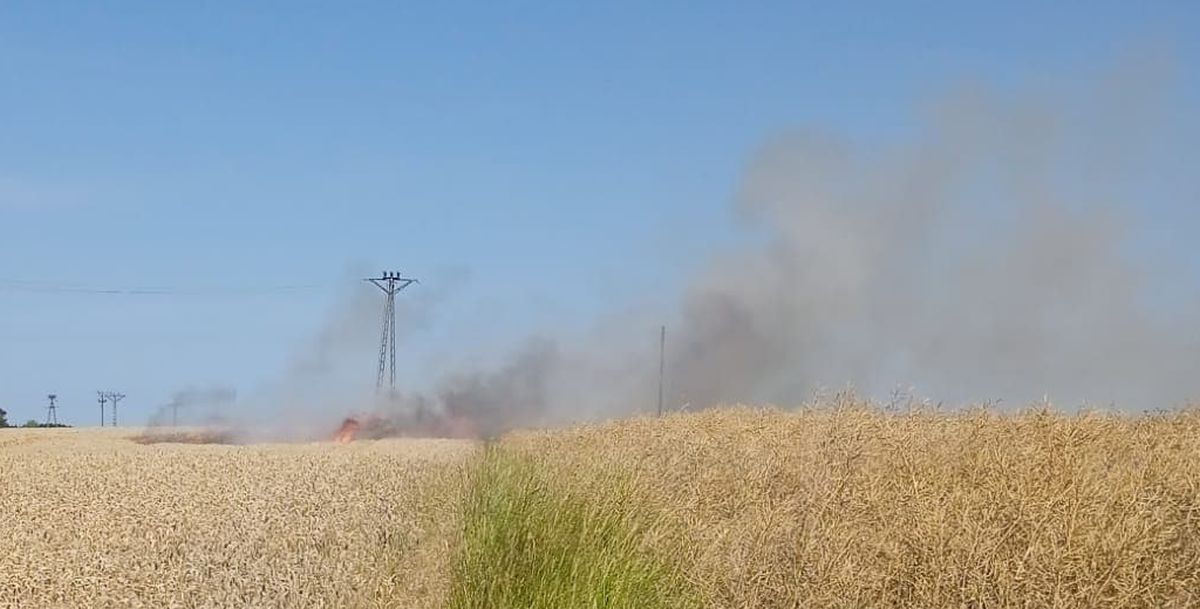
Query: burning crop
[[420, 424], [347, 431]]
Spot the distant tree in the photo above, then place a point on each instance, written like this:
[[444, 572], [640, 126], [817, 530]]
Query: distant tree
[[31, 423], [3, 418]]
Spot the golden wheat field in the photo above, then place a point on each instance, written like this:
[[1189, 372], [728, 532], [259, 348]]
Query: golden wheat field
[[843, 505], [89, 518]]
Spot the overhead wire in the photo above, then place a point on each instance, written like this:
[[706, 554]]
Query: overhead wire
[[46, 287]]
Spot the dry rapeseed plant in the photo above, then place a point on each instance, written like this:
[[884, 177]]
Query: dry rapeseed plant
[[91, 519], [847, 506]]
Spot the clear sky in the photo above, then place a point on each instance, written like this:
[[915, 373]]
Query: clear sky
[[535, 162]]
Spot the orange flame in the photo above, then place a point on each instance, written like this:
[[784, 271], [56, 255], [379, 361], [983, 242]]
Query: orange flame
[[347, 431]]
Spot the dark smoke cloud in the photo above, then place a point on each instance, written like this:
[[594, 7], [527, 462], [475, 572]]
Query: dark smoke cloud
[[988, 257], [515, 392], [879, 272], [327, 377]]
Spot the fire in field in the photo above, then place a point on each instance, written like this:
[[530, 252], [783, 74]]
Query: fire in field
[[658, 305], [840, 504]]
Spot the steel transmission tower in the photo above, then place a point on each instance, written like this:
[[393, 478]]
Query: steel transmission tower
[[113, 397], [390, 282], [52, 411]]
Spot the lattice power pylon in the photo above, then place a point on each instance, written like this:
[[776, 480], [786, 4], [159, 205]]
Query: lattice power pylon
[[391, 282], [51, 410], [112, 397]]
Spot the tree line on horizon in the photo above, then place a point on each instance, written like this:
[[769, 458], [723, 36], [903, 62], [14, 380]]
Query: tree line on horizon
[[29, 423]]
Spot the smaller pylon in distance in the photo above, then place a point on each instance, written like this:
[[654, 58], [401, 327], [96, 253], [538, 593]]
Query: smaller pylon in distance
[[51, 410]]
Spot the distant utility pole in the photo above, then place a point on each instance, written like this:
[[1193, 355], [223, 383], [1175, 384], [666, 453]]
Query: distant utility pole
[[52, 411], [662, 361], [102, 398], [390, 282], [174, 413], [114, 397]]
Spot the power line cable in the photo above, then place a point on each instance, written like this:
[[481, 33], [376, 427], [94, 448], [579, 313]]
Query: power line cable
[[44, 287]]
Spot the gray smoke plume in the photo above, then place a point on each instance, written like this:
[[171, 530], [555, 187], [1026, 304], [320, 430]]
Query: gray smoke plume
[[515, 392], [326, 377], [989, 258], [196, 406], [352, 326], [876, 273]]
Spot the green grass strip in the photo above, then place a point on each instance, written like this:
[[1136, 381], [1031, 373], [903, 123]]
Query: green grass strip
[[531, 541]]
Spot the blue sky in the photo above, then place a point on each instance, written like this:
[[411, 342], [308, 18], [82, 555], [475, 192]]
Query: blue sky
[[543, 162]]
